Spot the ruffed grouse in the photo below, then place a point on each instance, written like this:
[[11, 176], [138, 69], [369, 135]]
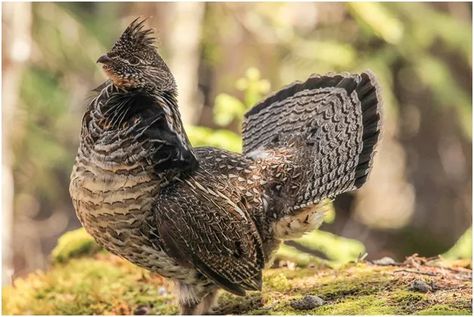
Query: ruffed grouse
[[205, 217]]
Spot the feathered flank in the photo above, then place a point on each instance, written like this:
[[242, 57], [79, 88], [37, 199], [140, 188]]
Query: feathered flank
[[135, 36]]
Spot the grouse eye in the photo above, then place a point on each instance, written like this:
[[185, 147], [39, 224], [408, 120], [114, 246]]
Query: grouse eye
[[133, 60]]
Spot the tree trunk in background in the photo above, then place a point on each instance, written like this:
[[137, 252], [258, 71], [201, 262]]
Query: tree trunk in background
[[184, 43], [16, 30]]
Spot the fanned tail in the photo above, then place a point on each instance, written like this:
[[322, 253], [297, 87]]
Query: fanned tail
[[336, 121]]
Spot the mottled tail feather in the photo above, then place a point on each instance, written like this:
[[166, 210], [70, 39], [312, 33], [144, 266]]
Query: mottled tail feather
[[338, 118], [368, 93]]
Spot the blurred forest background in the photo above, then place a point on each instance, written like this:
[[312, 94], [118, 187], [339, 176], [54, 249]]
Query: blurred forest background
[[225, 57]]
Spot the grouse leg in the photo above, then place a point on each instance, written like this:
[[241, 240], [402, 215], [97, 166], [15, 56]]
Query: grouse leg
[[206, 306]]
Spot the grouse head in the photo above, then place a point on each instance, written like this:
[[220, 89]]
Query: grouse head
[[134, 62]]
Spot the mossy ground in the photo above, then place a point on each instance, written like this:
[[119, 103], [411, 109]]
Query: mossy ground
[[357, 289], [91, 282]]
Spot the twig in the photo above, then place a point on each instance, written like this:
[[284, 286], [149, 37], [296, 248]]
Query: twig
[[416, 272]]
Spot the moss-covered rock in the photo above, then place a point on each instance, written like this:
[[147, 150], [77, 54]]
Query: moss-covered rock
[[463, 247], [84, 281], [73, 244]]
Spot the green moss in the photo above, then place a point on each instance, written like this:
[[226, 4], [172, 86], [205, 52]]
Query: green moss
[[406, 297], [85, 287], [277, 282], [406, 301], [230, 304], [73, 244], [366, 305], [355, 280], [444, 310]]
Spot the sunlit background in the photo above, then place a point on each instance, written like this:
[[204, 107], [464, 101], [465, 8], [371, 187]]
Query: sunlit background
[[225, 57]]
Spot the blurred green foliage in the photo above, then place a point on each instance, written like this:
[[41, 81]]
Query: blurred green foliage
[[229, 109], [462, 249]]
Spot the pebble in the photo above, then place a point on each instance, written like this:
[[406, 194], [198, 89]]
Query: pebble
[[385, 261], [420, 286], [308, 302], [162, 291], [141, 310]]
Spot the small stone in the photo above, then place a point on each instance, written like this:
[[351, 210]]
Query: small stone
[[141, 310], [384, 261], [162, 291], [308, 302], [420, 286], [291, 265]]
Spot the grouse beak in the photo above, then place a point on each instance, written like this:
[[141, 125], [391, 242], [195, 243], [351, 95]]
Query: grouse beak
[[104, 59]]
